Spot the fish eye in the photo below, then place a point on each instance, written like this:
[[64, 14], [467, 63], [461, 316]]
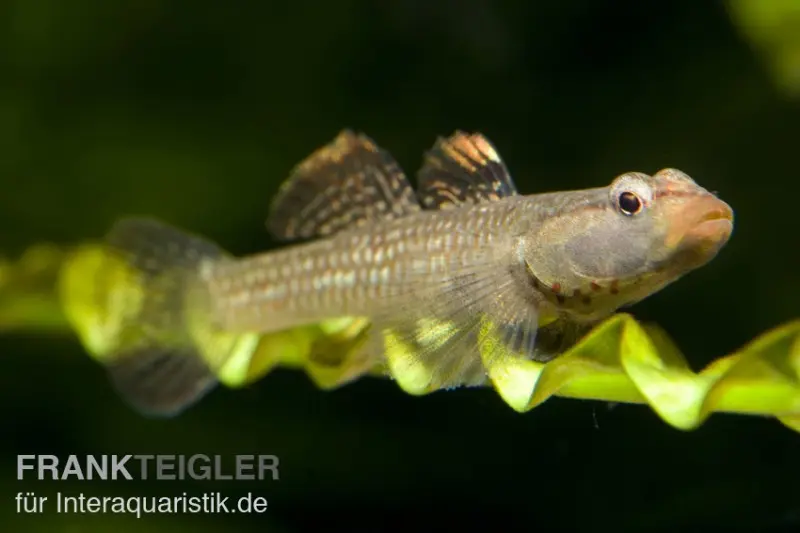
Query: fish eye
[[629, 203], [631, 193]]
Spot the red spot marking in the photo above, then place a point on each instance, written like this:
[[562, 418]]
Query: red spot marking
[[614, 287], [556, 287], [596, 286]]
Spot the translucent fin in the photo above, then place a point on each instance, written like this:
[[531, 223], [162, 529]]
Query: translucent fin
[[168, 353], [431, 342], [344, 184], [431, 353], [160, 381], [463, 169]]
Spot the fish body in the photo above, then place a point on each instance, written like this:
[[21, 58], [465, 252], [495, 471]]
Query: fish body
[[426, 269]]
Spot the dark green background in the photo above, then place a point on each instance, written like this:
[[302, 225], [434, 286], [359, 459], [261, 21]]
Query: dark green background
[[196, 111]]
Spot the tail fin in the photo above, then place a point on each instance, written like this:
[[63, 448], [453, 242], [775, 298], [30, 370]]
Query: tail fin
[[168, 351]]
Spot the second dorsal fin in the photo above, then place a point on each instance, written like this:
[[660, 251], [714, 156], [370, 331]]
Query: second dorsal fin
[[464, 168], [344, 184]]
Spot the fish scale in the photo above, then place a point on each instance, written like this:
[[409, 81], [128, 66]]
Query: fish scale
[[352, 274]]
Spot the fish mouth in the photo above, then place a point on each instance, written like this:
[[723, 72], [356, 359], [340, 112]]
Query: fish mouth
[[718, 213], [702, 227]]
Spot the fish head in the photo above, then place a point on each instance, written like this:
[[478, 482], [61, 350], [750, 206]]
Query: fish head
[[626, 241]]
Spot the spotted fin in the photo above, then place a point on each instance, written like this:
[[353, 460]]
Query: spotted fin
[[347, 183], [462, 169]]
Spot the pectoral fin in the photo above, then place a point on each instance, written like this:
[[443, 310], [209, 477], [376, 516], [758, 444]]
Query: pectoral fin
[[430, 337]]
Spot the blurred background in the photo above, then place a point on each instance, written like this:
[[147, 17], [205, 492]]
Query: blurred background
[[196, 111]]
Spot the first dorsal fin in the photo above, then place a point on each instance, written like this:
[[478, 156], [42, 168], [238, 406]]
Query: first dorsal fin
[[463, 169], [344, 184]]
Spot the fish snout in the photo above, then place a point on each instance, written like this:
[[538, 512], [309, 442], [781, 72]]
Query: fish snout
[[701, 227]]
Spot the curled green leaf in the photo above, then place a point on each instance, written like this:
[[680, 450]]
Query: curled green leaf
[[621, 360]]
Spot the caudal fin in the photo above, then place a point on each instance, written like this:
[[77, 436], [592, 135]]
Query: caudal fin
[[168, 350]]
